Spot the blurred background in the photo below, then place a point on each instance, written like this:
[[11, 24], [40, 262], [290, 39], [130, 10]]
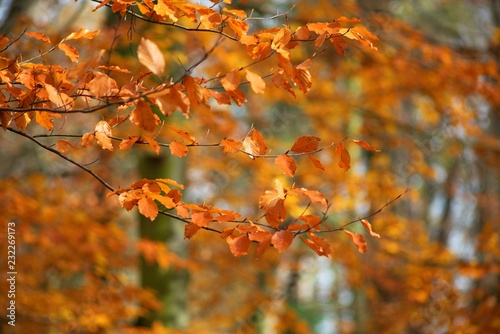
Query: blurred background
[[428, 99]]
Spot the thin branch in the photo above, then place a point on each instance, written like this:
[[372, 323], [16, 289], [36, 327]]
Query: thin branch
[[48, 148], [366, 217]]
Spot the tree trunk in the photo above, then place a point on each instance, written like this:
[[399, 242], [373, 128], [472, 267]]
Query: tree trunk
[[170, 285]]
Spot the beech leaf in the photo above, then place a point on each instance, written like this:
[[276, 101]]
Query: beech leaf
[[178, 149], [305, 144], [368, 227], [149, 55], [239, 245], [282, 240], [148, 208], [343, 156], [287, 164], [358, 240]]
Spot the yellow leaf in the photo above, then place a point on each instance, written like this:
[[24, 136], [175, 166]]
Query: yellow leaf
[[149, 55], [102, 134], [256, 82]]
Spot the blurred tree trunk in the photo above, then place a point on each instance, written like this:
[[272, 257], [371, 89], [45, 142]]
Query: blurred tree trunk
[[169, 284]]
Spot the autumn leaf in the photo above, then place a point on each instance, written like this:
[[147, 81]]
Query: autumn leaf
[[63, 146], [88, 139], [231, 145], [365, 145], [231, 81], [143, 117], [271, 197], [190, 230], [239, 245], [282, 240], [263, 238], [343, 156], [316, 162], [38, 35], [358, 240], [194, 90], [254, 144], [287, 164], [368, 227], [276, 214], [70, 51], [305, 144], [183, 134], [316, 197], [202, 219], [256, 82], [153, 144], [178, 149], [148, 208], [83, 33], [127, 143], [102, 134], [149, 55], [318, 244]]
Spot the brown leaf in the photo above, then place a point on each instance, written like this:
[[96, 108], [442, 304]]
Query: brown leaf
[[368, 227], [88, 139], [70, 51], [231, 145], [149, 55], [127, 143], [190, 230], [358, 240], [305, 144], [239, 245], [287, 164], [183, 134], [153, 144], [282, 240], [231, 81], [148, 208], [178, 149], [254, 143], [143, 117], [316, 162], [38, 35], [343, 156], [365, 145], [63, 146]]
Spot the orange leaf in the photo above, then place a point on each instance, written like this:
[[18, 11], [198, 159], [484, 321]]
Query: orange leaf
[[264, 240], [276, 214], [38, 35], [5, 119], [63, 146], [153, 144], [231, 145], [183, 134], [305, 144], [149, 55], [368, 227], [127, 143], [194, 90], [190, 230], [83, 33], [302, 33], [358, 240], [316, 162], [239, 245], [202, 219], [165, 8], [344, 157], [178, 149], [148, 208], [88, 140], [256, 82], [316, 197], [70, 51], [102, 85], [282, 38], [171, 182], [282, 240], [143, 117], [231, 80], [302, 76], [312, 221], [102, 134], [44, 119], [254, 144], [287, 164], [271, 197], [318, 244], [365, 145]]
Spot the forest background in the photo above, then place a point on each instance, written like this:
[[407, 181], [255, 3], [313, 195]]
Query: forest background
[[408, 99]]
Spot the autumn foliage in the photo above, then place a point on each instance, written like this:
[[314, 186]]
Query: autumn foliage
[[312, 138]]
